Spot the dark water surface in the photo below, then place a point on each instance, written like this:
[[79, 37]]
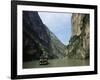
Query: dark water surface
[[63, 62]]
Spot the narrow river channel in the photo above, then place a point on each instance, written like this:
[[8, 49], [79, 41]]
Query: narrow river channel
[[63, 62]]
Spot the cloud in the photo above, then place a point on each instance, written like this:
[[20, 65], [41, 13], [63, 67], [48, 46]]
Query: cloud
[[58, 23]]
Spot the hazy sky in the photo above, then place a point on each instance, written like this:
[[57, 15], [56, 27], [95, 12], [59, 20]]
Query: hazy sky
[[59, 24]]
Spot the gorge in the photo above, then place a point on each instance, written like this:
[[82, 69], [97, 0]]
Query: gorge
[[37, 39]]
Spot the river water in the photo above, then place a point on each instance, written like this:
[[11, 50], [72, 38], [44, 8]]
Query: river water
[[63, 62]]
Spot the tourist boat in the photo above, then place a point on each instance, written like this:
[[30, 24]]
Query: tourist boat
[[44, 59]]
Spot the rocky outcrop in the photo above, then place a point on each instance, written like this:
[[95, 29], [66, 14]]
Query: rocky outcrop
[[79, 43], [37, 38]]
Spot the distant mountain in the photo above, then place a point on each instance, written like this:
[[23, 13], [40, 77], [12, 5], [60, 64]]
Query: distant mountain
[[57, 48], [37, 38]]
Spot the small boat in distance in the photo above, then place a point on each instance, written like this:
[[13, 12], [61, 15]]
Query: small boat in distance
[[44, 58]]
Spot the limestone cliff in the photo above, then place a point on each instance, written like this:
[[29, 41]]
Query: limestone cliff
[[79, 43]]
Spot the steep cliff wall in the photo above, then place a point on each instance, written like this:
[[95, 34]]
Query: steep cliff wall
[[34, 36], [79, 43], [37, 38]]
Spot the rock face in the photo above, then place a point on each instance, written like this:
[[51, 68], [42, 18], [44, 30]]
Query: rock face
[[37, 38], [79, 43]]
